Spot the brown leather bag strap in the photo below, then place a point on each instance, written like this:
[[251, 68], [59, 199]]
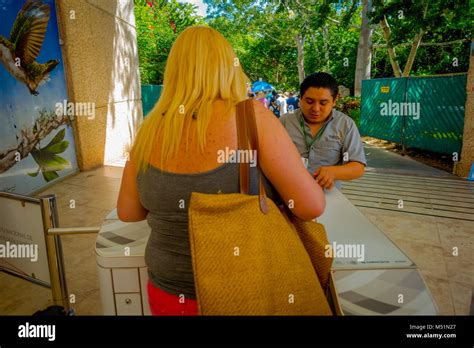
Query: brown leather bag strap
[[247, 133], [253, 138], [243, 145]]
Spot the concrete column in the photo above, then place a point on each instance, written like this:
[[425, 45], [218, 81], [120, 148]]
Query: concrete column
[[101, 65], [467, 153]]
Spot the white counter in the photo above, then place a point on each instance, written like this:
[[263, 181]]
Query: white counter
[[385, 283], [345, 224]]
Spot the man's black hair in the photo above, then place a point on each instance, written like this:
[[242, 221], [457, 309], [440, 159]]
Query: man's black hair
[[320, 80]]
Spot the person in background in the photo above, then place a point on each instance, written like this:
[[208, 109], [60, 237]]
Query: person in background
[[281, 102], [273, 104], [292, 102], [269, 97], [249, 88], [262, 98], [176, 153], [328, 140]]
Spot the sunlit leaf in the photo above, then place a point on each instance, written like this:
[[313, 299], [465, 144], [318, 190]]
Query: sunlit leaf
[[54, 162], [34, 174], [57, 148], [57, 138], [49, 176]]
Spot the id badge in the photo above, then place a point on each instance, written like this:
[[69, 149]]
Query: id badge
[[305, 162]]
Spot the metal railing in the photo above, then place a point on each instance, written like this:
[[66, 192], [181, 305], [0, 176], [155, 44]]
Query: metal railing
[[54, 250]]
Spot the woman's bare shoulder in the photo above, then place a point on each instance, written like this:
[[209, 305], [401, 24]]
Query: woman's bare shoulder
[[265, 118]]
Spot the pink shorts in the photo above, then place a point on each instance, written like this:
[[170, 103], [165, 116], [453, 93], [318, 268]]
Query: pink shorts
[[164, 303]]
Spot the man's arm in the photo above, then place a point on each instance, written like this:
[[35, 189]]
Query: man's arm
[[326, 176], [353, 148]]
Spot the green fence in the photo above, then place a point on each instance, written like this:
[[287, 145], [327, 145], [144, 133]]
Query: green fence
[[150, 95], [422, 112]]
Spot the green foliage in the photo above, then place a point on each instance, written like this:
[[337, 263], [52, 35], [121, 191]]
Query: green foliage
[[342, 52], [260, 56], [263, 33], [263, 36], [351, 107], [158, 24], [444, 21], [47, 157]]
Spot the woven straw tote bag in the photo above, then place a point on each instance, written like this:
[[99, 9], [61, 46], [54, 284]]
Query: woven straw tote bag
[[248, 257]]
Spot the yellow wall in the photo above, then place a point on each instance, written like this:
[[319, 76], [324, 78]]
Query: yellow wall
[[101, 64]]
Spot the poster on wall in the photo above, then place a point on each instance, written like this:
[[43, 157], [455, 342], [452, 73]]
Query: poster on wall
[[36, 137]]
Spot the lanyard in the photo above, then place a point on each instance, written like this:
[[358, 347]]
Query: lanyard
[[318, 135]]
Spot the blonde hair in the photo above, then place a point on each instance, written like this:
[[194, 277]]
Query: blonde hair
[[201, 68]]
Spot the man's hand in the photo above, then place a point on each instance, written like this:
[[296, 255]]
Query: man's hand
[[325, 177]]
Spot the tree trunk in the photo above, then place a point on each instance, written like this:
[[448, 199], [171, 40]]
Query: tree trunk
[[326, 49], [300, 46], [413, 50], [364, 51], [414, 47], [463, 167], [391, 52]]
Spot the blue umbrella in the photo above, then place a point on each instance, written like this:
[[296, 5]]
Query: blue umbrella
[[261, 86]]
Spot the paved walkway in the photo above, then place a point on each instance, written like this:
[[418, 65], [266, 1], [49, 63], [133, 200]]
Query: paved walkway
[[418, 195], [383, 161], [429, 215], [399, 183]]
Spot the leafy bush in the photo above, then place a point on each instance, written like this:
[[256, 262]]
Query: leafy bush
[[158, 23], [351, 107]]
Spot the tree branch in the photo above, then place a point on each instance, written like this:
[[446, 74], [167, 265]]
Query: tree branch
[[279, 41], [339, 22], [44, 125], [391, 52], [447, 43], [414, 46], [413, 50], [307, 10]]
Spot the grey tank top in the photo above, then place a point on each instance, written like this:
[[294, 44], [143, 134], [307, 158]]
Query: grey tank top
[[166, 196]]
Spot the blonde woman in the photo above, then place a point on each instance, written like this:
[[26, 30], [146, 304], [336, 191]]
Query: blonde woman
[[175, 153]]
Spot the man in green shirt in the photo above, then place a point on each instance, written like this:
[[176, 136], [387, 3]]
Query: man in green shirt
[[328, 140]]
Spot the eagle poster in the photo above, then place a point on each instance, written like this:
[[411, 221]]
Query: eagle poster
[[36, 141]]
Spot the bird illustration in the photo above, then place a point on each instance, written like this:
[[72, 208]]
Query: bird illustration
[[18, 54]]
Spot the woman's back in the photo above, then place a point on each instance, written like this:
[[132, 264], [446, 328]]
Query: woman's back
[[165, 192], [166, 196], [221, 134], [278, 157]]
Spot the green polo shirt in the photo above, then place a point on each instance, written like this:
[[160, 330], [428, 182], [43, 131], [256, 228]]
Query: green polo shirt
[[340, 136]]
